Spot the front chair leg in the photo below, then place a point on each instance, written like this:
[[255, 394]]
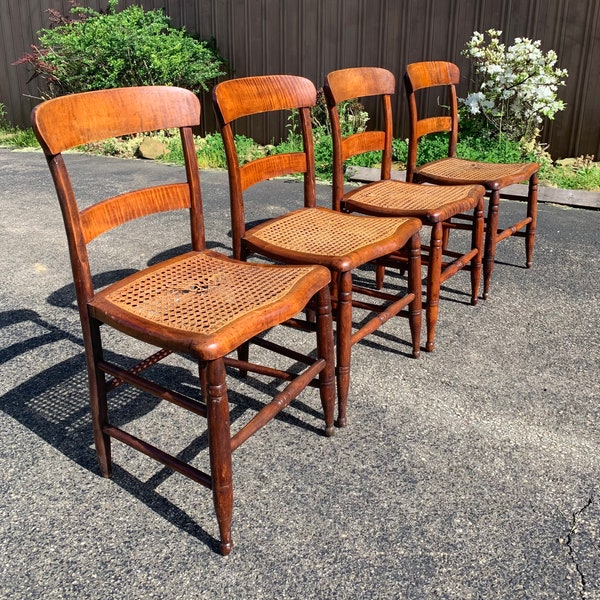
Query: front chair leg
[[344, 342], [325, 351], [477, 243], [415, 287], [490, 241], [434, 272], [219, 441]]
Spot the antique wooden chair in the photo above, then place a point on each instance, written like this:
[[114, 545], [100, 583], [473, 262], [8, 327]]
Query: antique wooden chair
[[314, 234], [200, 303], [455, 171], [434, 205]]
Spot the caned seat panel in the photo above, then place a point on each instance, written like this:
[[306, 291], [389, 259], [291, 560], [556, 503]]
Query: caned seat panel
[[492, 175], [432, 203], [204, 302], [327, 237]]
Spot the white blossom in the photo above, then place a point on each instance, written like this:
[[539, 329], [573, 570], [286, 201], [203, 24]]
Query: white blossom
[[518, 84]]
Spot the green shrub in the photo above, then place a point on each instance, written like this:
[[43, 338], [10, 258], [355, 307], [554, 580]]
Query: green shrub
[[400, 151], [353, 119], [211, 152], [24, 138], [475, 142], [92, 50], [578, 174], [324, 157]]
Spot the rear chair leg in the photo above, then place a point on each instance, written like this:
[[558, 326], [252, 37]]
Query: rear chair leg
[[98, 402], [532, 214], [219, 440], [379, 275], [446, 236], [243, 353], [415, 287], [325, 352]]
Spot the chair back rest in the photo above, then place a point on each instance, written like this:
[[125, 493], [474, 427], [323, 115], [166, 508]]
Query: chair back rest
[[350, 84], [69, 121], [243, 97], [421, 76]]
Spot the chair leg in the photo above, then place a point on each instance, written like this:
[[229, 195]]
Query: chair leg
[[219, 440], [98, 403], [203, 380], [434, 272], [415, 287], [490, 241], [446, 236], [379, 275], [477, 242], [243, 353], [343, 342], [532, 214], [325, 352]]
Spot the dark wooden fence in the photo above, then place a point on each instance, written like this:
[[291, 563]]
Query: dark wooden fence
[[312, 37]]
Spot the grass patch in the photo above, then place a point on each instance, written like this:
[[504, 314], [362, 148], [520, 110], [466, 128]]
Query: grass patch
[[574, 174]]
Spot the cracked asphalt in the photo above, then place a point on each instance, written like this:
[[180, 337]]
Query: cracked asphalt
[[471, 473]]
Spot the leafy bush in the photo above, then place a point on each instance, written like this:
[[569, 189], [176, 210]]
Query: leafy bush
[[400, 150], [472, 146], [353, 118], [574, 174], [92, 50], [517, 86], [211, 152]]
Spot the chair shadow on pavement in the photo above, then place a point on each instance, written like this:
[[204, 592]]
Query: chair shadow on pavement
[[53, 404]]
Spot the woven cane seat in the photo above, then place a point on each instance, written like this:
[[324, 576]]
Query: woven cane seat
[[492, 175], [197, 296], [431, 203], [337, 240]]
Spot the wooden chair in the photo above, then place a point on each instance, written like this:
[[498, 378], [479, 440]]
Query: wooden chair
[[434, 205], [200, 303], [314, 234], [455, 171]]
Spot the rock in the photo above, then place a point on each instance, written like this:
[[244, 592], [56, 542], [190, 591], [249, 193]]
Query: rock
[[151, 148]]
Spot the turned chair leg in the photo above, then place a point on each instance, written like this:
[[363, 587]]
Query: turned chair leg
[[434, 272], [415, 286], [325, 351], [343, 342], [532, 214], [490, 241], [477, 242], [219, 440]]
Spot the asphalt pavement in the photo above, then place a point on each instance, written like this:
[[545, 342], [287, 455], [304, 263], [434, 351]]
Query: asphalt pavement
[[470, 473]]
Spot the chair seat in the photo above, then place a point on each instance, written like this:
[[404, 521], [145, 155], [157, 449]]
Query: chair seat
[[327, 237], [397, 198], [493, 176], [205, 303]]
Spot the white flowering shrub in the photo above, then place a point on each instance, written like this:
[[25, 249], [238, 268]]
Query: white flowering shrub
[[517, 86]]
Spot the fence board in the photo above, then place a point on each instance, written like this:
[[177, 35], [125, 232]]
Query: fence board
[[312, 37]]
